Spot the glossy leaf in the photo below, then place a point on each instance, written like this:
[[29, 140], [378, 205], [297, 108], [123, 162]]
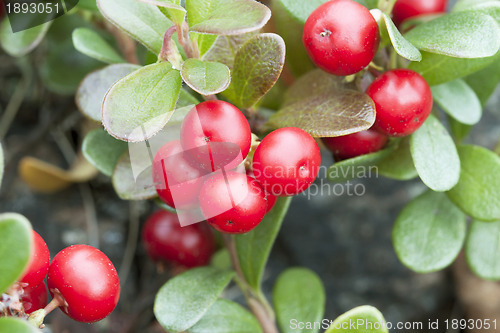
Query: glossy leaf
[[93, 88], [225, 316], [102, 150], [139, 105], [16, 248], [254, 247], [129, 187], [175, 11], [482, 249], [458, 100], [462, 35], [485, 81], [257, 67], [293, 301], [185, 299], [370, 316], [17, 325], [93, 45], [478, 190], [143, 22], [23, 42], [226, 17], [225, 48], [402, 46], [435, 155], [206, 78], [398, 164], [2, 166]]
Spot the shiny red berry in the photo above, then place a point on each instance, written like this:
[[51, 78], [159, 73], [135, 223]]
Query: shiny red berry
[[405, 9], [165, 240], [38, 265], [403, 101], [341, 37], [356, 144], [34, 299], [233, 202], [216, 134], [87, 280], [286, 161], [271, 199]]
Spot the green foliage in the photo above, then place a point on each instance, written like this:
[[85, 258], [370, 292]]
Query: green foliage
[[129, 187], [93, 45], [300, 10], [458, 100], [185, 299], [12, 324], [402, 46], [206, 78], [485, 81], [21, 43], [482, 249], [174, 11], [102, 150], [225, 48], [373, 321], [398, 164]]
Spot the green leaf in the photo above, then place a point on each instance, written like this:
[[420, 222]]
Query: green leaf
[[12, 324], [175, 11], [225, 316], [221, 259], [485, 81], [93, 88], [206, 78], [437, 69], [300, 10], [435, 155], [459, 130], [102, 150], [15, 248], [482, 249], [129, 187], [23, 42], [185, 299], [226, 17], [2, 166], [225, 48], [88, 5], [205, 42], [478, 190], [257, 67], [93, 45], [462, 5], [429, 233], [254, 247], [463, 35], [402, 46], [140, 104], [458, 100], [373, 321], [293, 301], [185, 99], [143, 22], [399, 163]]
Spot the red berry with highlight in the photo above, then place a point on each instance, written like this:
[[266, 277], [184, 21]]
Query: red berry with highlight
[[35, 299], [356, 144], [38, 265], [405, 9]]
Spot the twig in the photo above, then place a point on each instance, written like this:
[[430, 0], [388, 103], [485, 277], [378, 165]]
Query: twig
[[13, 106], [131, 246]]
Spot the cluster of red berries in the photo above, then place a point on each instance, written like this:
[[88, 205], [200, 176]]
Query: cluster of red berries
[[81, 280], [342, 38]]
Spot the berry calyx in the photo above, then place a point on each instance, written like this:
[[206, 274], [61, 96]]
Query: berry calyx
[[403, 101], [233, 202], [405, 9], [38, 265], [165, 240], [356, 144], [287, 161], [34, 299], [341, 37], [84, 282]]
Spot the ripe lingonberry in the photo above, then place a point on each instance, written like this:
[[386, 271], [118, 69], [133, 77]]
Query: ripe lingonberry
[[174, 174], [165, 240], [271, 199], [287, 161], [405, 9], [356, 144], [87, 280], [38, 265], [232, 202], [34, 299], [403, 101], [216, 134], [341, 37]]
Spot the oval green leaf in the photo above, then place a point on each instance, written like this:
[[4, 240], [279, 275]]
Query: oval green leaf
[[462, 5], [482, 249], [373, 321], [185, 299], [93, 45], [174, 10], [435, 155], [429, 232], [402, 46], [139, 105], [225, 48], [225, 316], [129, 187], [300, 10], [102, 150], [12, 324], [93, 88], [485, 81], [206, 78], [22, 42], [458, 100], [478, 190], [254, 247], [15, 250], [398, 164], [293, 301]]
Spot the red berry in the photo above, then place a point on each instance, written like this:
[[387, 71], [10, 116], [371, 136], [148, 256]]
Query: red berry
[[356, 144], [38, 265], [403, 101], [173, 173], [216, 134], [271, 199], [233, 202], [405, 9], [165, 240], [341, 37], [287, 161], [34, 299], [87, 280]]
